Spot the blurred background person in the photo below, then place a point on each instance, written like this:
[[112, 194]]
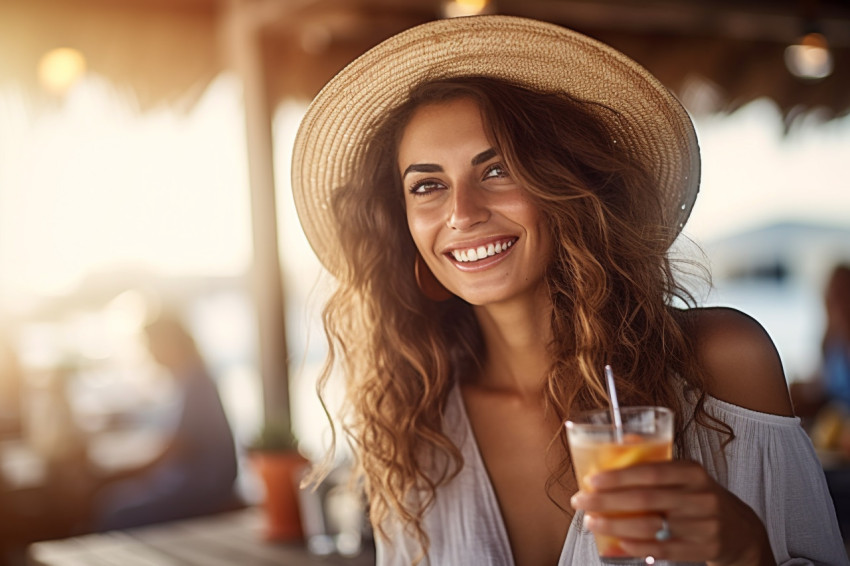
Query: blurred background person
[[55, 436], [836, 341], [10, 388], [196, 471], [10, 428], [824, 400], [41, 436]]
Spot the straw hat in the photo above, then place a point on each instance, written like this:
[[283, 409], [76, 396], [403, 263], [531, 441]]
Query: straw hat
[[543, 56]]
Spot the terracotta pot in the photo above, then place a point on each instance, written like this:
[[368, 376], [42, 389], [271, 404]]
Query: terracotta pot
[[281, 473]]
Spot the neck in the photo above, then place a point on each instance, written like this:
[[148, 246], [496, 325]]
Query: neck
[[517, 337]]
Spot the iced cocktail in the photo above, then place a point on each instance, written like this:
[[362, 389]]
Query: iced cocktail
[[596, 445]]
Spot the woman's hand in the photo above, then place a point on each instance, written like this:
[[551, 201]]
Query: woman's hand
[[706, 521]]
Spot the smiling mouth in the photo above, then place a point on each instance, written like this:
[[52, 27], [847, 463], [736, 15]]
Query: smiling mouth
[[481, 252]]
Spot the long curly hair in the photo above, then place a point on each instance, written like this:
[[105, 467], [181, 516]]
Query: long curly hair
[[610, 280]]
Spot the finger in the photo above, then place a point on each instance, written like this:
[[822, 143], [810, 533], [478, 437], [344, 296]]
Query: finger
[[648, 528], [639, 528], [677, 473], [669, 502]]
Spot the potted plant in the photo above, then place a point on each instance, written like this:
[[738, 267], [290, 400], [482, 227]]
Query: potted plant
[[274, 456]]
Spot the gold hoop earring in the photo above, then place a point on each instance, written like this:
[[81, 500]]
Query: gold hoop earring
[[428, 283]]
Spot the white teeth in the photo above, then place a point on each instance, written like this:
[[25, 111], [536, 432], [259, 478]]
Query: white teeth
[[474, 254]]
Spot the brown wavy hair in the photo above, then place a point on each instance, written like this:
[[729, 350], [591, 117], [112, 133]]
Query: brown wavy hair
[[610, 280]]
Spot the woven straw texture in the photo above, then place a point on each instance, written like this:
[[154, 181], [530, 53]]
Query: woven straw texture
[[650, 121]]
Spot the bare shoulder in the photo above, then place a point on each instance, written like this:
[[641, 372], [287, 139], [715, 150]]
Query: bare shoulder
[[741, 362]]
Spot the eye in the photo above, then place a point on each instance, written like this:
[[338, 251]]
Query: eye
[[425, 187], [496, 171]]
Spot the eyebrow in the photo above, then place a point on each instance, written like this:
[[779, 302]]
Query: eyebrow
[[485, 155]]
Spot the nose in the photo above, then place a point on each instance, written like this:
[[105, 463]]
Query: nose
[[469, 207]]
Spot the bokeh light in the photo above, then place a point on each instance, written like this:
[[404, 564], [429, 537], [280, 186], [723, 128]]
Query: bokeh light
[[59, 69]]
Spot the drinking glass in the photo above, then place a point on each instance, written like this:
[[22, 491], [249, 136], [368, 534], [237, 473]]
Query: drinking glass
[[596, 445]]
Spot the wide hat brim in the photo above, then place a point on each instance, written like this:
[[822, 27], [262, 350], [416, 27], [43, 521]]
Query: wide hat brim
[[650, 121]]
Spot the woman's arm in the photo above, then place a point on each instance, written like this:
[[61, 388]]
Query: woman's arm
[[709, 523]]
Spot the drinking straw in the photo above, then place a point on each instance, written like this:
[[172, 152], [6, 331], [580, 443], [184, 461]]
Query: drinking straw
[[614, 405]]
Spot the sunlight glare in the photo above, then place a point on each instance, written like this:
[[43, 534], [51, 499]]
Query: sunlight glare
[[59, 69], [97, 188]]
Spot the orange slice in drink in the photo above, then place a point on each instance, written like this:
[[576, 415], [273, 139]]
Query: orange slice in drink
[[630, 452]]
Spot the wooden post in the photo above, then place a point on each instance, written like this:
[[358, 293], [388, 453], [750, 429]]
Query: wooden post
[[243, 29]]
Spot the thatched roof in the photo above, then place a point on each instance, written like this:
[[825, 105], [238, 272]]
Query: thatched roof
[[167, 51], [158, 50]]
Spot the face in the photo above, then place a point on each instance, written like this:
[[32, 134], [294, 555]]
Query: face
[[472, 222]]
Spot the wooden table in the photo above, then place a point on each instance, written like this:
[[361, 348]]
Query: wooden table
[[227, 539]]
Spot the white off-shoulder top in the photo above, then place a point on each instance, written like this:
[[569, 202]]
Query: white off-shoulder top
[[770, 465]]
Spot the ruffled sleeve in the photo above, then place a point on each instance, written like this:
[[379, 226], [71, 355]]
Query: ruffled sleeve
[[771, 465]]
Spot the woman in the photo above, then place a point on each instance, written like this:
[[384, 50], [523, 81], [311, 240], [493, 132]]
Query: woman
[[836, 339], [496, 197]]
